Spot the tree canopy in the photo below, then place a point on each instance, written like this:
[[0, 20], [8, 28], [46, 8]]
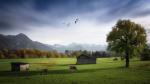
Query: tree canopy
[[127, 37]]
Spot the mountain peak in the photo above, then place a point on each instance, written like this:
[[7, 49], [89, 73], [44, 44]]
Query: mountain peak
[[21, 34], [21, 41]]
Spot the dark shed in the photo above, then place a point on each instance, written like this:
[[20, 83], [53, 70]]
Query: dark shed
[[19, 66], [86, 60]]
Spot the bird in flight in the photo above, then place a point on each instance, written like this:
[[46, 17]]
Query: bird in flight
[[69, 23], [76, 20]]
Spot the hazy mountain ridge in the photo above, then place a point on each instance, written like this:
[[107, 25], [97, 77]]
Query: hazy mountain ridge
[[21, 41], [75, 46]]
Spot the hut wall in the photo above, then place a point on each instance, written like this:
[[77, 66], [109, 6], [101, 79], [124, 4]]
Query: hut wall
[[24, 67], [19, 66], [86, 61], [15, 67]]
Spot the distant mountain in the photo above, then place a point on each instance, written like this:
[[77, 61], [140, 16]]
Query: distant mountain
[[75, 46], [21, 41]]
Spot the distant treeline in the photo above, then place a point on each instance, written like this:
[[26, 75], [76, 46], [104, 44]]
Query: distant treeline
[[29, 53], [34, 53]]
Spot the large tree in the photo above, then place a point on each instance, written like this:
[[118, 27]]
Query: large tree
[[127, 37]]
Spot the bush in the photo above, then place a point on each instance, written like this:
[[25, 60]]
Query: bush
[[145, 55]]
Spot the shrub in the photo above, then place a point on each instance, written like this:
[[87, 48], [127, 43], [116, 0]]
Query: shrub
[[145, 55]]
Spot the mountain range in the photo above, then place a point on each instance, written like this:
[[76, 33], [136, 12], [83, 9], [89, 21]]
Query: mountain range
[[21, 41], [75, 46]]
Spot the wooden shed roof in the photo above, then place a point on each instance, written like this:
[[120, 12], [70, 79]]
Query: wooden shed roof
[[19, 63]]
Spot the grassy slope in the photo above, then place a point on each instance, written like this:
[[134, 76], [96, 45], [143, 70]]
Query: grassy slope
[[105, 71]]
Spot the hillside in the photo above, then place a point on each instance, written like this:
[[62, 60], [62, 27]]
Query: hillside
[[20, 41]]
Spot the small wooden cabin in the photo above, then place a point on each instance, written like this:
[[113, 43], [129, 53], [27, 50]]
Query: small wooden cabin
[[86, 60], [19, 66]]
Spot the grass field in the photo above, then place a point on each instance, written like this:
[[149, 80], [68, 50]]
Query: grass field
[[106, 71]]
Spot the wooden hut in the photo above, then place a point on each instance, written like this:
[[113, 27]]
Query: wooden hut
[[19, 66], [86, 60]]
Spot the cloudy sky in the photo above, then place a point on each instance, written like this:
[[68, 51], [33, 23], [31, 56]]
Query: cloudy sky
[[70, 21]]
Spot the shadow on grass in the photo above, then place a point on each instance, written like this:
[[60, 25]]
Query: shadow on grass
[[65, 71]]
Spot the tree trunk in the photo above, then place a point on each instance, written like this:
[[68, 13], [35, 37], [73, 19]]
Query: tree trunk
[[127, 59]]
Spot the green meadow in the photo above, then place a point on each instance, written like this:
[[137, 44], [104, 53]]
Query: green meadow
[[106, 71]]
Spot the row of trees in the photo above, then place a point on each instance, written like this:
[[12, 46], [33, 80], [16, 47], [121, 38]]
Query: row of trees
[[33, 53], [97, 54], [29, 53]]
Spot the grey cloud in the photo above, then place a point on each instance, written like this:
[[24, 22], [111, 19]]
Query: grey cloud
[[53, 12]]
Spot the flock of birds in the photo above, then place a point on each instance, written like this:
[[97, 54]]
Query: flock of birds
[[75, 22]]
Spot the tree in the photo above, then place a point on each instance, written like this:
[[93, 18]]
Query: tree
[[1, 55], [145, 55], [127, 37], [76, 53]]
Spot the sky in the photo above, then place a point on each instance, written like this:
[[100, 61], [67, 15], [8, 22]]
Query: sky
[[70, 21]]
